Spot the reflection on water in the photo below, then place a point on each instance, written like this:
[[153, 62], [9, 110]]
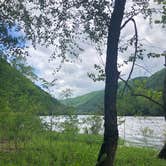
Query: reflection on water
[[142, 131]]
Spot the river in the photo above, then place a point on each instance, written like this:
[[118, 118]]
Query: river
[[140, 131]]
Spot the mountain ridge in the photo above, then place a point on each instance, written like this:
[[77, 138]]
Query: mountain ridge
[[92, 102]]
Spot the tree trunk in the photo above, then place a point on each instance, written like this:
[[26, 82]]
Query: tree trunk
[[164, 89], [108, 149], [162, 154]]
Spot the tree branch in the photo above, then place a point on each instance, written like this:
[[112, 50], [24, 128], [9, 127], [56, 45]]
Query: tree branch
[[126, 22], [126, 83], [140, 95], [135, 53], [136, 44], [143, 68], [149, 98]]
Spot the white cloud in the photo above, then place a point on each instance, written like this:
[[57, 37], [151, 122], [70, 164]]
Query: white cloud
[[74, 75]]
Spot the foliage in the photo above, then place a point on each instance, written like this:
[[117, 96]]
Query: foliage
[[95, 123], [70, 125], [18, 127], [66, 93], [63, 24], [12, 39], [146, 132], [52, 23], [20, 64], [163, 16]]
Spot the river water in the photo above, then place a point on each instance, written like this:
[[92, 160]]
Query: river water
[[140, 131]]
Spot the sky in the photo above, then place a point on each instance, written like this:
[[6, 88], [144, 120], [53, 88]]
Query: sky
[[74, 75]]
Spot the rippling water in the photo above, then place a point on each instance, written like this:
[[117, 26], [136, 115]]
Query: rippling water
[[142, 131]]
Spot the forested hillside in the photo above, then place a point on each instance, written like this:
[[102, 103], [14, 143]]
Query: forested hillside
[[19, 94], [127, 104]]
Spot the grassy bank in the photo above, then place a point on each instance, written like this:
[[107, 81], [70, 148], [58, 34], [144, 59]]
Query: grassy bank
[[67, 149]]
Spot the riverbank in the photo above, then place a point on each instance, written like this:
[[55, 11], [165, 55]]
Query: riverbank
[[70, 149]]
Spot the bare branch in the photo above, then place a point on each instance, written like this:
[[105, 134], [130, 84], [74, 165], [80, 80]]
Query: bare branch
[[136, 48], [135, 53]]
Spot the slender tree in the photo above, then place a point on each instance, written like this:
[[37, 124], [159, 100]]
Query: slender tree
[[109, 146], [164, 89], [162, 153]]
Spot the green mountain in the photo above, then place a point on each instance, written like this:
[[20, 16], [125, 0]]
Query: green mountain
[[156, 81], [92, 103], [18, 93], [88, 103]]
